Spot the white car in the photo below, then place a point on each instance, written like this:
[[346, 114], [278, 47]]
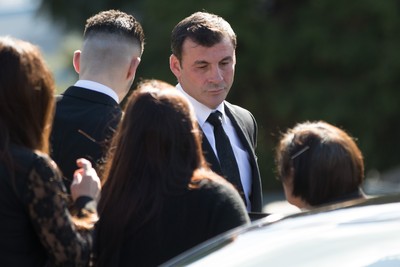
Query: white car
[[366, 233]]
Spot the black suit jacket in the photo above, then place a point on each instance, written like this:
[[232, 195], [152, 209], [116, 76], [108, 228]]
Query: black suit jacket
[[246, 128], [84, 123]]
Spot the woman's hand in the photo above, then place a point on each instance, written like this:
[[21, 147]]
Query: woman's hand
[[86, 182]]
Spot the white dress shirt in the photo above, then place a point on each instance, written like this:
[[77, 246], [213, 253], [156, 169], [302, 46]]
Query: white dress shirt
[[241, 155], [98, 87]]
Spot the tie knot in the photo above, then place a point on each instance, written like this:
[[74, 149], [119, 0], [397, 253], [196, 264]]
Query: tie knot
[[215, 118]]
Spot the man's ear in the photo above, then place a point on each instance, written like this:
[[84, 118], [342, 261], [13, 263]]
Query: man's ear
[[175, 65], [76, 60], [132, 68]]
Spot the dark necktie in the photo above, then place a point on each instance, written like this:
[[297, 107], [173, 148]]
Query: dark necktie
[[227, 160]]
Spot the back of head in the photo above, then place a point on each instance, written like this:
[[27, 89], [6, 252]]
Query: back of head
[[159, 125], [148, 84], [26, 95], [117, 24], [203, 28], [110, 40], [322, 160], [155, 152]]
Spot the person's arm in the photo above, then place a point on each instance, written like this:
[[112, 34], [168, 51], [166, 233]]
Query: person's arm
[[85, 189], [46, 199]]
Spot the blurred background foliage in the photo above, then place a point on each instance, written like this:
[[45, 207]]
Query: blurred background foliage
[[332, 60]]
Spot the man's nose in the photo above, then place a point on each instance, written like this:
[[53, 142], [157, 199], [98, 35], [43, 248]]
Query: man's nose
[[216, 75]]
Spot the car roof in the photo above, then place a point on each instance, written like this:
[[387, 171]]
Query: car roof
[[354, 233]]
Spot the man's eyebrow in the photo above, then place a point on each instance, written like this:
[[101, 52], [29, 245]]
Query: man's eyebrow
[[200, 62], [227, 58]]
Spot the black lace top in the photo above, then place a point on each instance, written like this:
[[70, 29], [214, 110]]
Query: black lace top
[[36, 228]]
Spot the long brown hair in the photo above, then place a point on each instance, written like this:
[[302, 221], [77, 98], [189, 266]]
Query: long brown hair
[[27, 91], [26, 96], [155, 152]]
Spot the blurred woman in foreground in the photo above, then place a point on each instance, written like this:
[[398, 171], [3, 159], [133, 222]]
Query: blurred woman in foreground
[[36, 227]]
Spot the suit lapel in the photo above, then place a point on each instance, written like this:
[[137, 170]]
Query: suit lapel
[[240, 127], [245, 136]]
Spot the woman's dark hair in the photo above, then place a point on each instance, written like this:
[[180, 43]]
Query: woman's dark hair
[[155, 152], [322, 160], [26, 97]]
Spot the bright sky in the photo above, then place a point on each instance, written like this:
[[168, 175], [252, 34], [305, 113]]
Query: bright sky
[[16, 4], [18, 18]]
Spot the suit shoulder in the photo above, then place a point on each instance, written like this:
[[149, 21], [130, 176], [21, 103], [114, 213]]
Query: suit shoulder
[[240, 112], [238, 109], [244, 119]]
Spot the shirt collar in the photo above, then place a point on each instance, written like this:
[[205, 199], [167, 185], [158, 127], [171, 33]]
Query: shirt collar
[[201, 110], [98, 87]]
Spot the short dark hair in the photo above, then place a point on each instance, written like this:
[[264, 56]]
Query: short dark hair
[[115, 22], [203, 28], [323, 160]]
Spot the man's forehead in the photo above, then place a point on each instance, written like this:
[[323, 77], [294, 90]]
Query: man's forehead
[[190, 43], [221, 49]]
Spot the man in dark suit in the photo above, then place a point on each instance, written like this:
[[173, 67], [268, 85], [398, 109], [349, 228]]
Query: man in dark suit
[[203, 61], [88, 113]]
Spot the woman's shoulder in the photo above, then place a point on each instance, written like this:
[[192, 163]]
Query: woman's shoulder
[[27, 162], [25, 155], [218, 194], [30, 170], [210, 183], [206, 178]]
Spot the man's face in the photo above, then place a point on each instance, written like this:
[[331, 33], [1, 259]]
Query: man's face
[[206, 73]]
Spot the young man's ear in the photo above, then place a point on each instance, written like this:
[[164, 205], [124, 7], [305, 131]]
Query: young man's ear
[[132, 68], [175, 65], [76, 60]]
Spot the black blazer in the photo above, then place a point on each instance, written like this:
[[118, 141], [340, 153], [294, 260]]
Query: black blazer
[[84, 123], [246, 128]]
